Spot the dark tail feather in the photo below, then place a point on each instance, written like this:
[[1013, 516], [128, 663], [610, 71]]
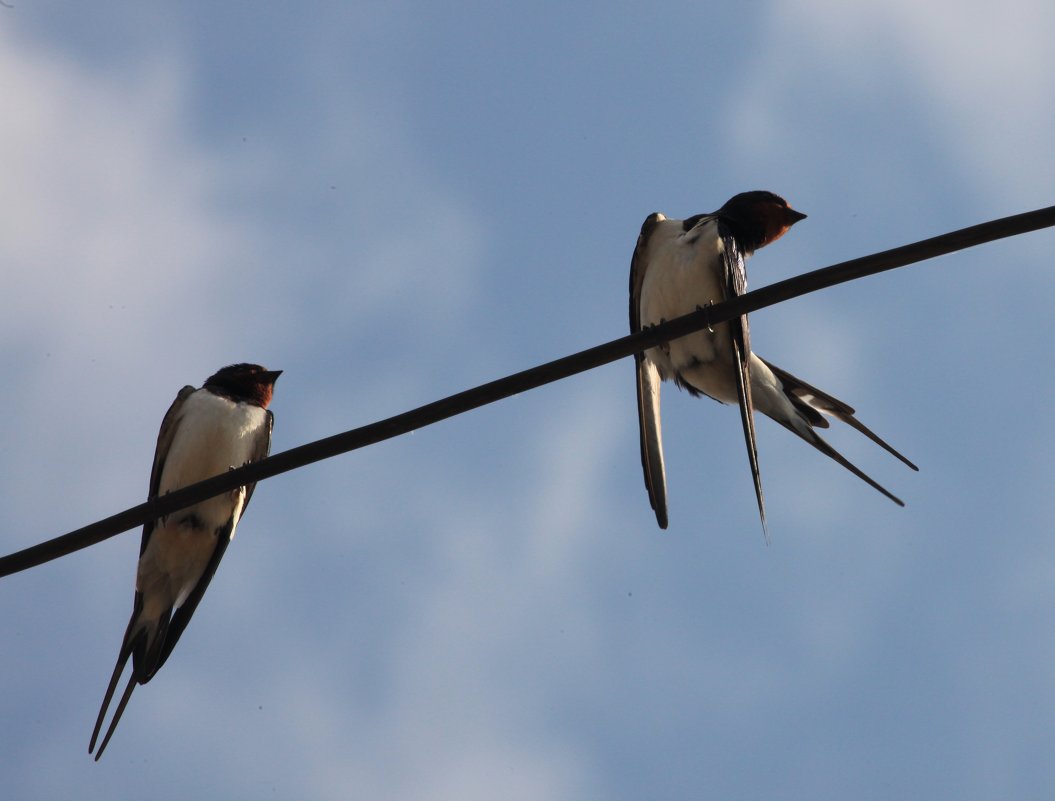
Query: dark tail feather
[[814, 400], [122, 660], [135, 640], [814, 439], [747, 417], [852, 421], [116, 718]]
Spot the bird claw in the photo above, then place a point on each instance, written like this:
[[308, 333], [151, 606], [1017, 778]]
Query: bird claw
[[702, 308]]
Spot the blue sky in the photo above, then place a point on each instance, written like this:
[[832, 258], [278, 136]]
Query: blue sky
[[393, 202]]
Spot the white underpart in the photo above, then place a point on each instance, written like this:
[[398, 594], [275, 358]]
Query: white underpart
[[686, 272], [769, 398], [213, 434]]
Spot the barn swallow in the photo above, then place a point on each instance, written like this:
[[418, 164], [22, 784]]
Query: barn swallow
[[683, 265], [206, 431]]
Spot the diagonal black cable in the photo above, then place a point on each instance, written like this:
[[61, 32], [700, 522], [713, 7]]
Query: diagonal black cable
[[528, 379]]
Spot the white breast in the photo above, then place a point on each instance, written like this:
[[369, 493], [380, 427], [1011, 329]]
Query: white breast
[[685, 272], [213, 434]]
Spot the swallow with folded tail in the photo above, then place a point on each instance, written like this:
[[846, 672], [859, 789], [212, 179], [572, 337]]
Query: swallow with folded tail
[[206, 431]]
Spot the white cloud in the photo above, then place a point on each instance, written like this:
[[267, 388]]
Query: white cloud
[[107, 232], [990, 74], [970, 83], [105, 205]]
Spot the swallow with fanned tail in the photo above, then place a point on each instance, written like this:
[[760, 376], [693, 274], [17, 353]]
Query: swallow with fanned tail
[[683, 265]]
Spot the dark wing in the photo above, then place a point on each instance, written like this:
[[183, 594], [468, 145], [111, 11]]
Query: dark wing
[[168, 431], [651, 431], [637, 271], [183, 613], [735, 279], [648, 386], [811, 401]]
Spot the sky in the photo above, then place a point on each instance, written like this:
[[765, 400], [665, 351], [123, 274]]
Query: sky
[[393, 202]]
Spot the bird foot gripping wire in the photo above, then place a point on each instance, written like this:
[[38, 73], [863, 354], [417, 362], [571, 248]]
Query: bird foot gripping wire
[[704, 308]]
